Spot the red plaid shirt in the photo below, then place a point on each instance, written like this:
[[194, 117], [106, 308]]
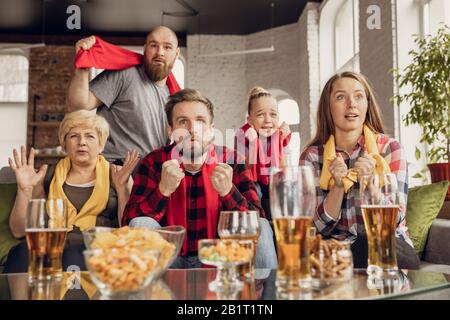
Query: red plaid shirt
[[147, 200]]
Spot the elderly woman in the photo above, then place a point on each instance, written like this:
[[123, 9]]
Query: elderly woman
[[96, 192], [350, 139]]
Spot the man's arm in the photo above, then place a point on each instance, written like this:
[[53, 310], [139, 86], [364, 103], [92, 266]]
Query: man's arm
[[78, 95], [146, 198]]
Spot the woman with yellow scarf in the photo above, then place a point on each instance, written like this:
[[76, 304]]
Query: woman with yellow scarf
[[96, 192], [350, 142]]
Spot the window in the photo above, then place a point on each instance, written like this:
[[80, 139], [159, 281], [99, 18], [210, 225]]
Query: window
[[338, 37], [433, 13], [289, 112], [13, 103], [13, 78], [178, 72], [346, 37]]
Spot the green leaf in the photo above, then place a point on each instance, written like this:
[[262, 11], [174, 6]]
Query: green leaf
[[417, 153]]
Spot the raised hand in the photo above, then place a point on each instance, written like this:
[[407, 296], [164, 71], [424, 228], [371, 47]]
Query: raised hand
[[120, 175], [251, 134], [338, 170], [26, 176], [85, 43], [171, 176], [222, 179], [284, 129]]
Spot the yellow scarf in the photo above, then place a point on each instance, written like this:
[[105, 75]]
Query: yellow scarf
[[329, 154], [96, 203]]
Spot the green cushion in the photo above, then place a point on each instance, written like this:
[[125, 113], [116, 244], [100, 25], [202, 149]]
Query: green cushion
[[7, 196], [424, 204]]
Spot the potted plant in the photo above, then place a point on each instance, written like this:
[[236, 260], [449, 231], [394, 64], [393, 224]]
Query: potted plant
[[428, 77]]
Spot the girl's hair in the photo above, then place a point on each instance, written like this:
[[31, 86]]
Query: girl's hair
[[325, 124], [255, 93]]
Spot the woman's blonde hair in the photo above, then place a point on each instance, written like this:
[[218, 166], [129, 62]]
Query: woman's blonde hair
[[255, 93], [85, 119], [325, 124]]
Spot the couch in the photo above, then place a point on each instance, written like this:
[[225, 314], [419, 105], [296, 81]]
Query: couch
[[435, 256]]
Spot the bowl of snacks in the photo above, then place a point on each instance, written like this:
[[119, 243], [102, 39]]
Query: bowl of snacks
[[331, 261], [225, 255], [121, 272], [166, 240]]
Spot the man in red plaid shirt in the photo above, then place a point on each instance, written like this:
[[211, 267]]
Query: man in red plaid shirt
[[189, 182]]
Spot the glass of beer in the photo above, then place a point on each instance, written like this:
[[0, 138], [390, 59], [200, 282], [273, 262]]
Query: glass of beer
[[241, 225], [293, 203], [46, 230], [379, 205]]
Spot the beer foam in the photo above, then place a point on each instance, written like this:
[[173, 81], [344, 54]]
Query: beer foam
[[379, 206], [45, 230]]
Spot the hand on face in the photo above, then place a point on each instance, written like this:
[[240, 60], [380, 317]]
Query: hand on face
[[222, 179], [120, 175], [171, 176], [365, 165], [338, 170], [26, 176]]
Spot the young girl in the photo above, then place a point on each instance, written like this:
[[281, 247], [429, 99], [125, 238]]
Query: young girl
[[264, 140], [350, 135]]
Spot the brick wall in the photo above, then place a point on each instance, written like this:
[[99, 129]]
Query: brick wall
[[50, 70]]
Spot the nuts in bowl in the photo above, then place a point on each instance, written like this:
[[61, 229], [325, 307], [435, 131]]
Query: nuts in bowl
[[225, 252], [121, 271], [331, 261]]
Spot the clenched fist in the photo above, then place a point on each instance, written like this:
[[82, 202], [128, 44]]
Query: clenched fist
[[338, 170], [171, 176], [365, 165], [285, 130], [85, 43], [222, 179]]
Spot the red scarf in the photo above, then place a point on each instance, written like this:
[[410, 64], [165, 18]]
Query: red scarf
[[275, 144], [104, 55], [176, 209]]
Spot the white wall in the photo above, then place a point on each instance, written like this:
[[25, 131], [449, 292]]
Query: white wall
[[13, 129], [222, 79]]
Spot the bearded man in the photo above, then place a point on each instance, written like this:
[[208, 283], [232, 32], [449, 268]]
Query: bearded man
[[131, 100], [190, 181]]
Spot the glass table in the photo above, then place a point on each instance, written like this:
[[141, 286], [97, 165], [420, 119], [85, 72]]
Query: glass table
[[192, 284]]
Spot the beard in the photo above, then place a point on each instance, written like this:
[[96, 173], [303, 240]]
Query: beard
[[157, 72]]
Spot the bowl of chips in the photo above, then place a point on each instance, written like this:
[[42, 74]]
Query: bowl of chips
[[122, 272], [166, 240]]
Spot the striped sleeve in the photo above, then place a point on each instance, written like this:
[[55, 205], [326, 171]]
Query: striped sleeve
[[323, 222], [395, 156], [145, 198]]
